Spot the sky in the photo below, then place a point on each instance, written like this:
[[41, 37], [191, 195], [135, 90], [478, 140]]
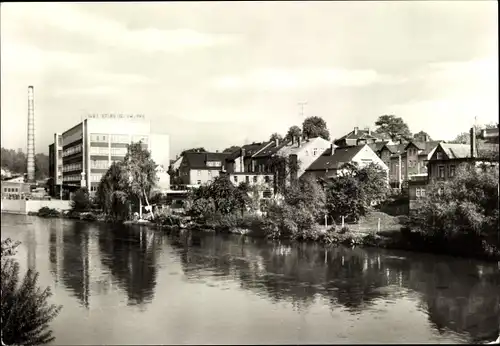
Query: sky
[[216, 74]]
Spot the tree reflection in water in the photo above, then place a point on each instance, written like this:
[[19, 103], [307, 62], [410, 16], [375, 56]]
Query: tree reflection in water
[[456, 294], [131, 256], [128, 257]]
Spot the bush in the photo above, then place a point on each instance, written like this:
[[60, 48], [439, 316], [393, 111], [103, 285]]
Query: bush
[[25, 311], [81, 200], [48, 212]]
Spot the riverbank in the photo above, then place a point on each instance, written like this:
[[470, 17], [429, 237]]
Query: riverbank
[[376, 229]]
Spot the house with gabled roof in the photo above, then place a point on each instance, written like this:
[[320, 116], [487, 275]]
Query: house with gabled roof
[[329, 164], [359, 137], [301, 151], [201, 168]]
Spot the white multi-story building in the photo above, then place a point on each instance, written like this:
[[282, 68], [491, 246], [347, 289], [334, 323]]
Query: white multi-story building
[[82, 154]]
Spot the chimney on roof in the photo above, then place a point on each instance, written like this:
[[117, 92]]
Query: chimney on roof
[[276, 141], [299, 141], [355, 130], [332, 148], [472, 142], [216, 151], [368, 131], [293, 140]]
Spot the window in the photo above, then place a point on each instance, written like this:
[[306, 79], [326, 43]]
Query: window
[[422, 192], [199, 173], [452, 171], [266, 179], [199, 182], [267, 193], [417, 192], [254, 178], [235, 178], [441, 171], [247, 179], [117, 151], [209, 173], [439, 156], [214, 164], [315, 151]]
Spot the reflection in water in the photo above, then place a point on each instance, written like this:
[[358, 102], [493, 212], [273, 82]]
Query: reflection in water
[[128, 255], [459, 297], [131, 257]]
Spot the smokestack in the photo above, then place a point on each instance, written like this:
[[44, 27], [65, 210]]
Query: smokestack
[[472, 142], [332, 147], [355, 131], [31, 134]]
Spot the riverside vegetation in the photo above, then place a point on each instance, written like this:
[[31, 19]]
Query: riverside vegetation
[[26, 312], [458, 217]]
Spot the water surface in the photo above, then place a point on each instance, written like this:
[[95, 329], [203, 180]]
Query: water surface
[[124, 285]]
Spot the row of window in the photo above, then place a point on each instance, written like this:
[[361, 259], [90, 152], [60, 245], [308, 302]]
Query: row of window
[[74, 177], [95, 177], [442, 171], [105, 138], [99, 151], [11, 189], [72, 167], [214, 164], [72, 150], [267, 179], [99, 164]]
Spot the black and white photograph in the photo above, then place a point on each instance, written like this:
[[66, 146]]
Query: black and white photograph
[[250, 172]]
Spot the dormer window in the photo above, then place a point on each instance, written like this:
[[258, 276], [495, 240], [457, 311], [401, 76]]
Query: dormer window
[[439, 156]]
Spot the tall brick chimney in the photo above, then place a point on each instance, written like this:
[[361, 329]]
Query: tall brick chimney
[[472, 142], [356, 130]]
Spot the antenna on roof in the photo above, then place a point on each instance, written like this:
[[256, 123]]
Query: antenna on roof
[[301, 105]]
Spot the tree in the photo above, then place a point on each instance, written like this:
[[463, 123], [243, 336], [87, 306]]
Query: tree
[[344, 197], [141, 171], [231, 149], [355, 190], [315, 127], [81, 200], [41, 166], [111, 192], [421, 134], [394, 127], [276, 136], [194, 150], [293, 132], [26, 312], [465, 207]]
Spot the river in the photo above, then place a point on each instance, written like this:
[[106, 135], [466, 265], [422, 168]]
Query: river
[[126, 285]]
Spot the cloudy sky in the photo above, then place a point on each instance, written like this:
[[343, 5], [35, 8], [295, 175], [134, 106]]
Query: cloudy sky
[[218, 74]]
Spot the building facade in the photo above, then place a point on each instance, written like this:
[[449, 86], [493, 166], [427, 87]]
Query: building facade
[[86, 151], [329, 165], [198, 169]]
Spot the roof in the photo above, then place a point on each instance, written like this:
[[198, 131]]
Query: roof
[[340, 156], [360, 134], [426, 147], [456, 151], [396, 148], [250, 150], [377, 145], [271, 150], [199, 160]]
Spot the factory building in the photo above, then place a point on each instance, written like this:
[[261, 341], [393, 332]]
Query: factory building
[[81, 155]]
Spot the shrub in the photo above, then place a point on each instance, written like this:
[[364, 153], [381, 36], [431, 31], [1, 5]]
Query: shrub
[[81, 200], [25, 311], [88, 217], [48, 212]]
